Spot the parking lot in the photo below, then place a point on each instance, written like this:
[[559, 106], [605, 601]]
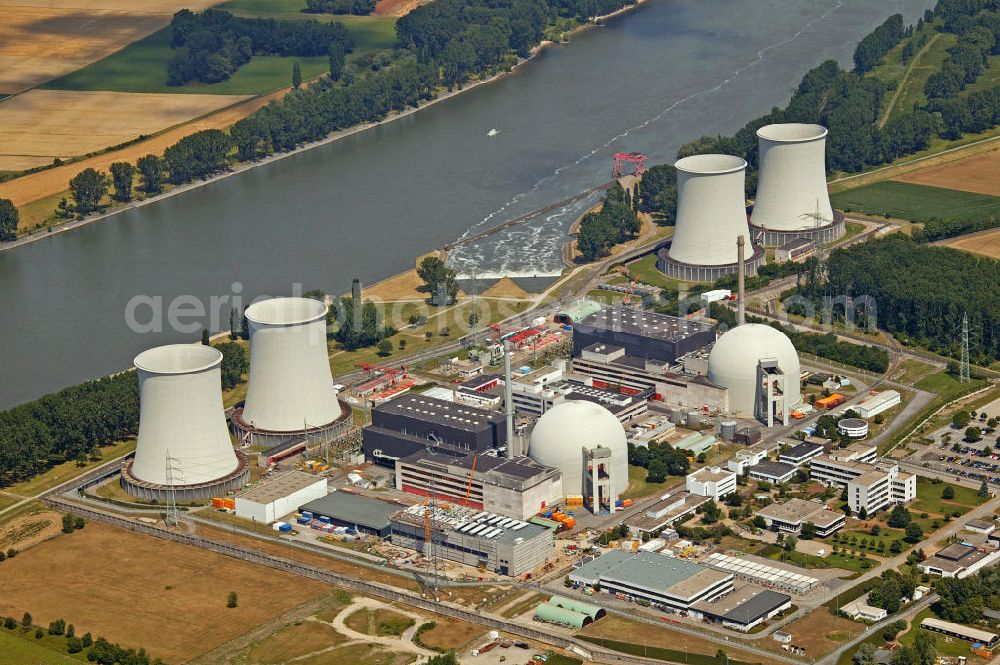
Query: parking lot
[[952, 454]]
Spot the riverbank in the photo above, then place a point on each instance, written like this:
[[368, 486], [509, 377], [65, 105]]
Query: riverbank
[[236, 169]]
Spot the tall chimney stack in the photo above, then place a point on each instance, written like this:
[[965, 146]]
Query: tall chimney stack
[[508, 399], [741, 273]]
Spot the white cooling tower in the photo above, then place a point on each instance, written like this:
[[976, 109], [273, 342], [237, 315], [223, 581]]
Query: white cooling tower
[[711, 216], [290, 386], [791, 186], [181, 417]]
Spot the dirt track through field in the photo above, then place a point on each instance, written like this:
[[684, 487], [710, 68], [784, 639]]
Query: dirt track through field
[[978, 173], [53, 181], [42, 39], [65, 123]]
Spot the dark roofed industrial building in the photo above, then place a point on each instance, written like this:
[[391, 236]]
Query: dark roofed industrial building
[[801, 453], [412, 422], [744, 608], [642, 333], [357, 512]]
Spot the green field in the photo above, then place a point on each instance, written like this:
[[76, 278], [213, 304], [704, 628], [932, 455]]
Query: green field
[[930, 495], [142, 65], [917, 203], [886, 536], [637, 485], [29, 651], [645, 269]]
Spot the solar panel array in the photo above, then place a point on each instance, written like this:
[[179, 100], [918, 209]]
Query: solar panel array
[[762, 573]]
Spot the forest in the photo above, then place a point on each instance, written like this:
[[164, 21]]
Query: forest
[[922, 292], [68, 425], [357, 7], [660, 460], [615, 223], [210, 46], [962, 600]]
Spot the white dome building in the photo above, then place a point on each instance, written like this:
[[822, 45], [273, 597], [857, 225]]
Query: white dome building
[[740, 360], [563, 433]]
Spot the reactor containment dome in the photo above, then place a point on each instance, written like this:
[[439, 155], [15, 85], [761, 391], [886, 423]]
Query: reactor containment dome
[[760, 367], [183, 447], [792, 199], [711, 215], [290, 389], [587, 443]]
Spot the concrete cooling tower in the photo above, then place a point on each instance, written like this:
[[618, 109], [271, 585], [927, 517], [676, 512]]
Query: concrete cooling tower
[[711, 215], [792, 199], [290, 390], [183, 446]]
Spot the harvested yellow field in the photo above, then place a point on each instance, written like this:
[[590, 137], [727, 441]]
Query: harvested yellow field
[[984, 243], [978, 173], [43, 39], [64, 123]]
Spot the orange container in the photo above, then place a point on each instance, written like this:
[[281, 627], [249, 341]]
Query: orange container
[[229, 503], [569, 522], [217, 503], [626, 503]]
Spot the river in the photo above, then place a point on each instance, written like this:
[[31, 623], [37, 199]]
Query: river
[[368, 204]]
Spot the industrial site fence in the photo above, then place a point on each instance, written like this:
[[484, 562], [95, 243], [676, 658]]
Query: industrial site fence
[[303, 570]]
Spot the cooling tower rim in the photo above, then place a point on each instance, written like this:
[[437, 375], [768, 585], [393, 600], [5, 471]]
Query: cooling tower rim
[[710, 164], [286, 311], [792, 132], [178, 359]]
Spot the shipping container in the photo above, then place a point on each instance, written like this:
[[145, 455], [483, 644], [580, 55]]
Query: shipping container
[[627, 503], [217, 503], [569, 522]]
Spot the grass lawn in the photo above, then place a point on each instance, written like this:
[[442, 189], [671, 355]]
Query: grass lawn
[[853, 564], [526, 604], [67, 471], [917, 203], [912, 370], [22, 648], [886, 536], [929, 493], [645, 269], [638, 487]]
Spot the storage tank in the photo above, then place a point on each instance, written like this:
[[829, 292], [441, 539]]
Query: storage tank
[[693, 418], [183, 441], [290, 386], [676, 415], [791, 186], [711, 215], [728, 429]]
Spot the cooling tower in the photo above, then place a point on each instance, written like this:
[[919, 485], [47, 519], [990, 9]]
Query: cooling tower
[[183, 443], [711, 216], [290, 386], [792, 199]]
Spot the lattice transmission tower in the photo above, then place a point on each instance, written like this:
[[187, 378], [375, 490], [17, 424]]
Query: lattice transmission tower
[[963, 376]]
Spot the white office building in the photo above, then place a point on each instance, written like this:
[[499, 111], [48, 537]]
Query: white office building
[[713, 482], [876, 404]]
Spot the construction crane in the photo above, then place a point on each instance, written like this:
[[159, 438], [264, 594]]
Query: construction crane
[[628, 294], [468, 489]]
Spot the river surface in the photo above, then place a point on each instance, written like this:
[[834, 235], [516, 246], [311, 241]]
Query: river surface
[[367, 205]]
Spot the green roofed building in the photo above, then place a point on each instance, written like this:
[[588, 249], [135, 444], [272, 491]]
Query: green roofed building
[[553, 614], [593, 611], [578, 310]]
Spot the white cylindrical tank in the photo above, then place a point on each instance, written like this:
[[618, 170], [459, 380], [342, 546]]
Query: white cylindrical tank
[[733, 364], [791, 185], [562, 433], [290, 385], [181, 416], [711, 210]]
